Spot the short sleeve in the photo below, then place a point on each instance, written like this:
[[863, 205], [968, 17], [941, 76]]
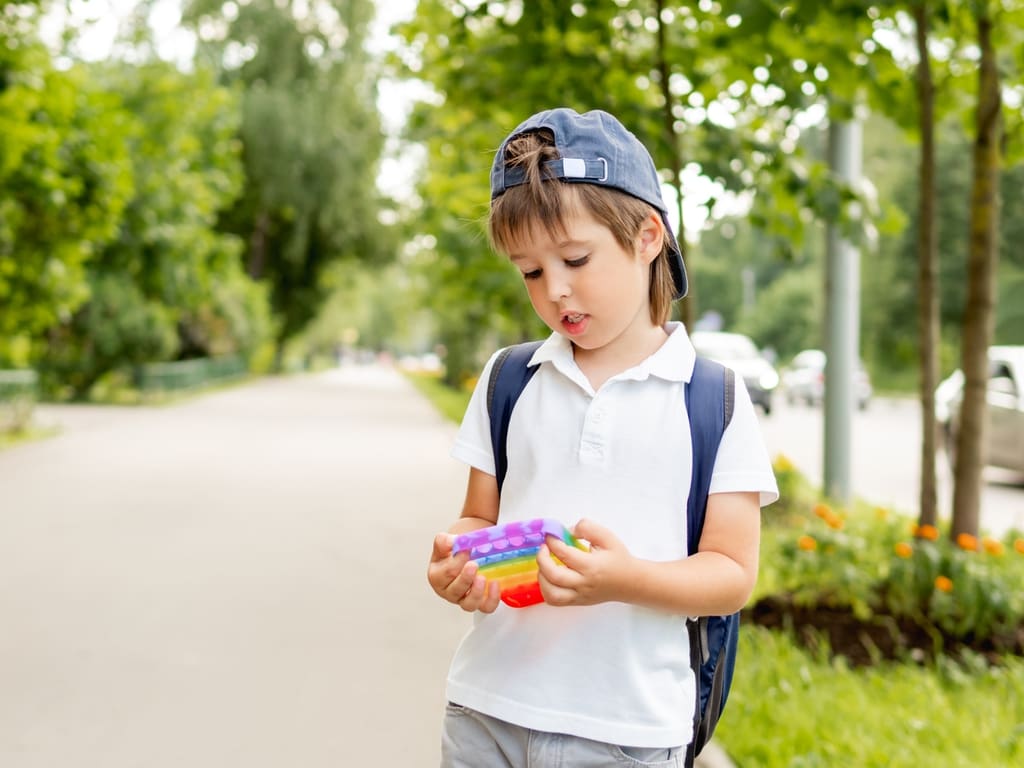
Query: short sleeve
[[742, 464], [473, 440]]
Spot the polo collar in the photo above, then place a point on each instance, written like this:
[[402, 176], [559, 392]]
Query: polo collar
[[672, 361]]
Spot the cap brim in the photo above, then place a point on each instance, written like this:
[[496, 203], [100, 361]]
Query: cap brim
[[675, 261]]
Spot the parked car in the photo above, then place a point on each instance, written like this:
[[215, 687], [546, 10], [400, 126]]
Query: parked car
[[1004, 431], [803, 380], [740, 353]]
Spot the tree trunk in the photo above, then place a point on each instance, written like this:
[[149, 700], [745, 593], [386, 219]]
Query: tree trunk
[[981, 268], [686, 306], [927, 261], [258, 246]]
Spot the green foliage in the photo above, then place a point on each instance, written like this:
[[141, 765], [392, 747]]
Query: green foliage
[[64, 182], [967, 588], [374, 307], [311, 139], [169, 285], [742, 77], [787, 315], [492, 65], [117, 326], [879, 564], [789, 707]]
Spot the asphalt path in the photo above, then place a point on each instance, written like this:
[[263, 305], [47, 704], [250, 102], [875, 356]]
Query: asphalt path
[[885, 462], [235, 580]]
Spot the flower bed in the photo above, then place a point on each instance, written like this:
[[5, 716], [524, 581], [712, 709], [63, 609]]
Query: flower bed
[[873, 585]]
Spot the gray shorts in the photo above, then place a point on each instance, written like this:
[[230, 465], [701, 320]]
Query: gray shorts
[[473, 740]]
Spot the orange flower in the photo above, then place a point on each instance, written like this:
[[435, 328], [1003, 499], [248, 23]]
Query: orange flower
[[1018, 545], [967, 542], [943, 583], [993, 547], [822, 510], [834, 521], [807, 543], [929, 532], [904, 550]]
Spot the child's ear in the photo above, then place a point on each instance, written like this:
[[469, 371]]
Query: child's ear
[[651, 238]]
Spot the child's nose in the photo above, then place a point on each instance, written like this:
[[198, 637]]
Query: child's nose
[[559, 287]]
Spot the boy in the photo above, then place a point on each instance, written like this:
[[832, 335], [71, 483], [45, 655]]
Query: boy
[[599, 674]]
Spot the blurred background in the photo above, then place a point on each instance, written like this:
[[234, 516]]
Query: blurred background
[[196, 190], [199, 194], [279, 181]]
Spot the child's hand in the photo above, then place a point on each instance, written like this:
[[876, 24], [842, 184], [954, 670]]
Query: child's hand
[[586, 578], [456, 578]]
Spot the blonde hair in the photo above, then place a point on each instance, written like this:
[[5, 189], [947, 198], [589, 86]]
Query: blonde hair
[[515, 213]]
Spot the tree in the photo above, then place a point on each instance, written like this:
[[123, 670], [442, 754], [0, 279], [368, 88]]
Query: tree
[[670, 71], [927, 259], [981, 261], [493, 71], [886, 94], [64, 181], [169, 284], [311, 138]]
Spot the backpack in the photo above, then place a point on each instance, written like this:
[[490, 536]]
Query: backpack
[[709, 399]]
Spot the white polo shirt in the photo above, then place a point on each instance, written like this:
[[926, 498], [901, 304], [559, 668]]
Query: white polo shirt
[[620, 456]]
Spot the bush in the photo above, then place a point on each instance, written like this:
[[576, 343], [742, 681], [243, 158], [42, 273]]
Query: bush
[[913, 583]]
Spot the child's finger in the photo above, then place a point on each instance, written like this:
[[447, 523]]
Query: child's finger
[[555, 574], [443, 544], [475, 595], [571, 556], [491, 598], [442, 571], [554, 594], [462, 582]]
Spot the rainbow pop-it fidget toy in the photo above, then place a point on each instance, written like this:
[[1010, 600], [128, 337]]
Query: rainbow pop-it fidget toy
[[507, 553]]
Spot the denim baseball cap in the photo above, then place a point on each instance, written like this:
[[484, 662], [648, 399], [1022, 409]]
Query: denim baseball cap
[[595, 148]]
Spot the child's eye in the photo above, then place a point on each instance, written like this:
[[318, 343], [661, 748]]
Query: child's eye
[[578, 262], [531, 275]]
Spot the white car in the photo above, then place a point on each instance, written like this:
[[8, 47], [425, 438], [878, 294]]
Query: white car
[[1004, 431], [803, 380], [739, 352]]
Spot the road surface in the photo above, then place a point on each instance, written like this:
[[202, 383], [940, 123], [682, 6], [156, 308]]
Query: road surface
[[236, 580], [885, 463]]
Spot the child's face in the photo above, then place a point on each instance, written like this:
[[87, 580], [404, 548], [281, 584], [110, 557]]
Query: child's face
[[585, 286]]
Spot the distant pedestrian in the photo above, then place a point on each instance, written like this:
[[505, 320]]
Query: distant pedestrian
[[598, 675]]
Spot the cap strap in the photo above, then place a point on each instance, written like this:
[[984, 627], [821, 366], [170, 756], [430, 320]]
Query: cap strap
[[563, 168]]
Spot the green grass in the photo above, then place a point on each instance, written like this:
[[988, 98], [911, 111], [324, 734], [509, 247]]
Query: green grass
[[10, 439], [450, 402], [790, 709]]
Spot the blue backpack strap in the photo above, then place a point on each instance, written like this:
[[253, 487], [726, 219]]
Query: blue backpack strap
[[509, 376], [710, 398]]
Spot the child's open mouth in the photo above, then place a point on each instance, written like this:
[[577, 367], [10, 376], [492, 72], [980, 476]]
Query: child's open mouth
[[574, 323]]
